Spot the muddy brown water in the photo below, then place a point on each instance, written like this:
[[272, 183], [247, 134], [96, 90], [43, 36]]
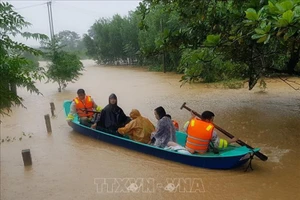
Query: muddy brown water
[[68, 165]]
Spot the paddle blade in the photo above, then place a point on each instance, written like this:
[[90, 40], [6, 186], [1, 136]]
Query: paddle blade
[[261, 156]]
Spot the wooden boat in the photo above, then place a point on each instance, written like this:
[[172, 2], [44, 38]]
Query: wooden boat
[[231, 157]]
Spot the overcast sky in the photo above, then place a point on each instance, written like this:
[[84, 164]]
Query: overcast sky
[[76, 16]]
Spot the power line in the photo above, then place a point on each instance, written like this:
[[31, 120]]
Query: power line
[[35, 5], [88, 12]]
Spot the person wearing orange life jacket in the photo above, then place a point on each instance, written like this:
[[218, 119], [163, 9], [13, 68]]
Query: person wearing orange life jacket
[[81, 106], [201, 132]]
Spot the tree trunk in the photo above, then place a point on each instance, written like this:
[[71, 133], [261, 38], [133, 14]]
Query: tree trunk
[[59, 87], [13, 88], [294, 59], [253, 75]]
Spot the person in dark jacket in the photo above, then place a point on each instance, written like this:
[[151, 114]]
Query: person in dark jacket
[[112, 116]]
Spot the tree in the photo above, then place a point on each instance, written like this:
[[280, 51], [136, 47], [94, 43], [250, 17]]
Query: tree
[[112, 40], [64, 66], [159, 27], [99, 35], [92, 48], [15, 69], [206, 40], [277, 24], [130, 33], [260, 37], [69, 40], [115, 38]]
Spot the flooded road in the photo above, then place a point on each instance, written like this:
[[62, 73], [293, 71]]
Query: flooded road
[[68, 165]]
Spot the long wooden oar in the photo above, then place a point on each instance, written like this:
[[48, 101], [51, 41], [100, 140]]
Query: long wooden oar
[[240, 142]]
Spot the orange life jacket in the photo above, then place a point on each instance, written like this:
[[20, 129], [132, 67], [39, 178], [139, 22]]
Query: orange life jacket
[[199, 135], [83, 106]]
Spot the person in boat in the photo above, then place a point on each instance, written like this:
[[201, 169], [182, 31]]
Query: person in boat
[[112, 117], [139, 128], [175, 123], [165, 130], [201, 133], [84, 106]]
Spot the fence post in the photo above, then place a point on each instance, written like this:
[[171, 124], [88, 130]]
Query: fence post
[[52, 107], [26, 157], [48, 124]]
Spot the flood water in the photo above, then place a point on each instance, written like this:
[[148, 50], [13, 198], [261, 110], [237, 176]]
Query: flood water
[[68, 165]]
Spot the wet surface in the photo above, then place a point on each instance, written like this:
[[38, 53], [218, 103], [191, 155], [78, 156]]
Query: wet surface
[[66, 164]]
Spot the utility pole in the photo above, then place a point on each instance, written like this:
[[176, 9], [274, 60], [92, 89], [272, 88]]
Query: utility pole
[[49, 3]]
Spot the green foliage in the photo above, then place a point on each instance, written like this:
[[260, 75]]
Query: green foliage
[[283, 22], [69, 41], [119, 40], [259, 37], [212, 40], [204, 65], [64, 67], [15, 68], [251, 14], [91, 47], [278, 29], [156, 68], [161, 28], [114, 40], [33, 64], [262, 85], [207, 40]]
